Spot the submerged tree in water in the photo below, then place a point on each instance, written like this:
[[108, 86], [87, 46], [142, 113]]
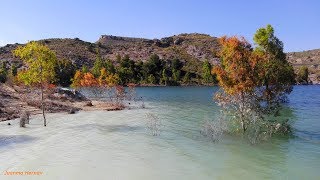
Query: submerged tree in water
[[214, 129], [154, 124], [254, 83]]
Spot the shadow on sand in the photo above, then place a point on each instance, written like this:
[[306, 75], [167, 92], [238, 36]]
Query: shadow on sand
[[15, 139]]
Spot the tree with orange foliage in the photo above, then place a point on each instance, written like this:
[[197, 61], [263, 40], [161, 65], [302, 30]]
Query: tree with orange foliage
[[88, 80], [84, 80], [249, 93], [237, 76], [238, 70]]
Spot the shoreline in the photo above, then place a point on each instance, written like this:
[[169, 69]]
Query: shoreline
[[15, 100]]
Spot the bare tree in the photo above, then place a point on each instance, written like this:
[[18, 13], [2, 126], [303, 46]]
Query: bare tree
[[214, 129], [154, 124], [26, 116]]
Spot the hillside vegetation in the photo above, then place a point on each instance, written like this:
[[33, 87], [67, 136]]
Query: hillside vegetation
[[191, 49], [185, 47]]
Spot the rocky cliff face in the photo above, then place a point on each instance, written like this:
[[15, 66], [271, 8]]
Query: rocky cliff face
[[184, 46], [310, 59]]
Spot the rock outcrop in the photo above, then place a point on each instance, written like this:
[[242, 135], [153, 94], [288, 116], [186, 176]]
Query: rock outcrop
[[310, 59]]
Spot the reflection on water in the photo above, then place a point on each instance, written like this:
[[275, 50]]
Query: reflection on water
[[116, 145]]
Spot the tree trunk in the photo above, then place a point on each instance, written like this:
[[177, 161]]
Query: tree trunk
[[242, 116], [42, 106], [42, 103], [243, 126]]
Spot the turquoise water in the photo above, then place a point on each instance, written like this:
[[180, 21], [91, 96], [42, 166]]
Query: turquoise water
[[117, 145], [282, 158]]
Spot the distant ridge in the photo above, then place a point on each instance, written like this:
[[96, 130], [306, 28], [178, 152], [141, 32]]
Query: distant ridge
[[192, 48]]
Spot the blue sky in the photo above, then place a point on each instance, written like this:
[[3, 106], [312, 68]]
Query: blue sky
[[297, 22]]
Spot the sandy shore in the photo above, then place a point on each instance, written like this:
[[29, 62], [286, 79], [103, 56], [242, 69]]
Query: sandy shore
[[14, 100]]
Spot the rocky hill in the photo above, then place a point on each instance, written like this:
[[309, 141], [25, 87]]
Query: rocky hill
[[183, 46], [190, 48], [75, 50], [310, 59]]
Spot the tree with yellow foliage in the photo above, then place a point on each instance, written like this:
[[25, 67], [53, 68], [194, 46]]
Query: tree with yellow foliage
[[108, 80], [102, 78], [40, 61], [76, 81]]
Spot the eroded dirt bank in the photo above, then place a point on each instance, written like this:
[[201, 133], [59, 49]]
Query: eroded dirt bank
[[15, 99]]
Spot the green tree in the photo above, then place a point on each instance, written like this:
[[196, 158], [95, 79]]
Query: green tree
[[84, 69], [138, 71], [146, 70], [153, 66], [303, 75], [12, 73], [156, 62], [125, 61], [177, 64], [14, 70], [187, 78], [126, 70], [41, 62], [268, 43], [276, 73], [98, 65], [206, 72], [125, 75], [3, 72], [165, 77], [152, 79], [176, 75], [64, 71], [109, 67]]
